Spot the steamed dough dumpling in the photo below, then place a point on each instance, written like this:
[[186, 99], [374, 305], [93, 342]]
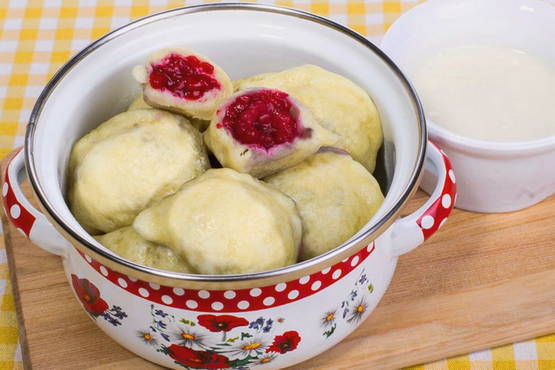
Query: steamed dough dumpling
[[184, 82], [336, 102], [139, 103], [128, 244], [126, 163], [262, 131], [224, 222], [336, 196]]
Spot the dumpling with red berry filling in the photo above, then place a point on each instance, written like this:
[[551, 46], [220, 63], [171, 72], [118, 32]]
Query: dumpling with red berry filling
[[336, 196], [336, 102], [139, 103], [130, 245], [128, 162], [225, 222], [183, 81], [262, 131]]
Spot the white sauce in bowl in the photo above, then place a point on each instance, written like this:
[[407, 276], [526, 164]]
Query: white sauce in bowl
[[495, 94]]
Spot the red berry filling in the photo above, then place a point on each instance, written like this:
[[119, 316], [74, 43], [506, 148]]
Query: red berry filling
[[186, 77], [263, 118]]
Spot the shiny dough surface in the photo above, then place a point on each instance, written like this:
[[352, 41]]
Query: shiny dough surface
[[224, 222], [203, 108], [336, 196], [128, 162], [335, 101], [130, 245], [258, 162], [140, 103]]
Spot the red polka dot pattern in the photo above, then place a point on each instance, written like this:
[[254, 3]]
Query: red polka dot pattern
[[432, 219], [234, 300], [18, 215]]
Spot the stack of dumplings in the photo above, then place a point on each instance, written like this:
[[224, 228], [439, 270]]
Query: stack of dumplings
[[293, 154]]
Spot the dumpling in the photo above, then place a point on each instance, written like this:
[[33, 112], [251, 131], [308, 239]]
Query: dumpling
[[129, 161], [139, 103], [225, 222], [262, 131], [336, 196], [182, 81], [128, 244], [336, 102]]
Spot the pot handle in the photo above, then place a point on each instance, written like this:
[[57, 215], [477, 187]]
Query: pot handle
[[26, 218], [412, 230]]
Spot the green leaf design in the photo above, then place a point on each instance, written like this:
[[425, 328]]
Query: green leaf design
[[163, 349], [370, 288], [241, 362], [187, 322], [245, 335], [329, 332], [231, 340], [182, 365]]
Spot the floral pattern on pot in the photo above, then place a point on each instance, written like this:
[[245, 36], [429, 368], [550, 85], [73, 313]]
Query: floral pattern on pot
[[351, 309], [89, 296], [232, 301], [221, 323], [192, 344]]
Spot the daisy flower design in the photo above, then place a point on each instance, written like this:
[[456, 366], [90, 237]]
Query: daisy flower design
[[147, 338], [328, 319], [189, 338], [253, 347], [357, 312]]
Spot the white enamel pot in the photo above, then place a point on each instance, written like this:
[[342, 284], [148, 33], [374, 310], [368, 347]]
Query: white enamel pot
[[271, 319]]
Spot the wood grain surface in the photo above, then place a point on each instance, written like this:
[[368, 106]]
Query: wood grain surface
[[482, 281]]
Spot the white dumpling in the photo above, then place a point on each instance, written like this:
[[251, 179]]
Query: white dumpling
[[224, 222], [126, 163], [262, 131], [337, 104], [130, 245], [336, 196], [183, 81], [140, 103]]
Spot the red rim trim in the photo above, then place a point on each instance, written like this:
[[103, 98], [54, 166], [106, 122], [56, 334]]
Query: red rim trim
[[241, 300]]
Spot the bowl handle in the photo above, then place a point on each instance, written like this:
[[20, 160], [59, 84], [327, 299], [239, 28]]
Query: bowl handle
[[410, 231], [26, 218]]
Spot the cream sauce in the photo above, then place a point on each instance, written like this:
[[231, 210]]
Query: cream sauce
[[496, 94]]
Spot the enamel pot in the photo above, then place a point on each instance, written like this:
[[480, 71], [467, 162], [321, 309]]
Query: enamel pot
[[271, 319]]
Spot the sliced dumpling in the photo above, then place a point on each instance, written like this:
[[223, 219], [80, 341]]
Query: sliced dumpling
[[225, 222], [262, 131], [335, 101], [128, 162], [139, 103], [130, 245], [183, 81], [336, 196]]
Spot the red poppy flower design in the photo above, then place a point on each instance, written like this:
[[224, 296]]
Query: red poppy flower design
[[223, 323], [89, 295], [197, 359], [286, 342]]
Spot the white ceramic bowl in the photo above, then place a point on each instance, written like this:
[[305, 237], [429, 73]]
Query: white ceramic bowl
[[279, 317], [491, 176]]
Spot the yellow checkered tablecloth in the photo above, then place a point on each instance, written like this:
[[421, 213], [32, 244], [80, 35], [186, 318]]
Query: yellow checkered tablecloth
[[37, 37]]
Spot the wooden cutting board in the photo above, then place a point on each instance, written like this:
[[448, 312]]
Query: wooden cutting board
[[482, 281]]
